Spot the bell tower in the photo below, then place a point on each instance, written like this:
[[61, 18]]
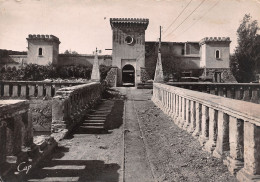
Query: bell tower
[[128, 48]]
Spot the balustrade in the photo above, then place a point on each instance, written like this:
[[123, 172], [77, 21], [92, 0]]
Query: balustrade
[[24, 89], [227, 128], [240, 91]]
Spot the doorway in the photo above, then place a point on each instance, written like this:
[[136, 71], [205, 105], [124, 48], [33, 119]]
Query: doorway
[[128, 75]]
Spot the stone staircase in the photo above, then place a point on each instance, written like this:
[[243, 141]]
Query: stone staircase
[[96, 119]]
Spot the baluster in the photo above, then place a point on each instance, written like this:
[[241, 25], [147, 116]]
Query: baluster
[[191, 128], [224, 91], [23, 90], [255, 93], [246, 95], [220, 91], [31, 90], [213, 119], [183, 112], [176, 115], [216, 90], [222, 144], [197, 130], [212, 90], [251, 170], [40, 91], [235, 159], [187, 115], [48, 90], [204, 125], [15, 90], [6, 90]]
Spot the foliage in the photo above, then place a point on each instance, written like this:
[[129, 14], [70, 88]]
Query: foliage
[[71, 52], [245, 61], [34, 72]]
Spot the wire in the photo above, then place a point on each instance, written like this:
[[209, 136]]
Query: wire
[[186, 18], [201, 16], [177, 17]]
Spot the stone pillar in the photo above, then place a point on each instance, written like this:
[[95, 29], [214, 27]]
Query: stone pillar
[[223, 135], [176, 115], [204, 125], [187, 115], [183, 112], [213, 119], [23, 91], [191, 128], [31, 90], [15, 91], [198, 111], [6, 90], [95, 75], [251, 170], [48, 90], [255, 95], [40, 91], [246, 95], [235, 159]]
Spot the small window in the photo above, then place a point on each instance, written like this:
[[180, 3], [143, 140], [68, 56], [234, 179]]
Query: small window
[[40, 51], [217, 54]]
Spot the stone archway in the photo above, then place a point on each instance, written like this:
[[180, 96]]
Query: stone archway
[[128, 75]]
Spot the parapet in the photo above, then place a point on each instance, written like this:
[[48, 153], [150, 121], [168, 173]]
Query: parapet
[[43, 38], [129, 22], [214, 39]]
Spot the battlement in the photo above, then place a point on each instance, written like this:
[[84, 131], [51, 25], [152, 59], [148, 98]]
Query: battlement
[[214, 39], [43, 37], [129, 22]]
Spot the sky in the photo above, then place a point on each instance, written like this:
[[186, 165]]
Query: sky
[[83, 25]]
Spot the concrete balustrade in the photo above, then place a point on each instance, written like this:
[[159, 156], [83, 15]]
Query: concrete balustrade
[[25, 89], [229, 129], [16, 133], [71, 104], [249, 92]]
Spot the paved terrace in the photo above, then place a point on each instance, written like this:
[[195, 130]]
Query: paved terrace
[[142, 144]]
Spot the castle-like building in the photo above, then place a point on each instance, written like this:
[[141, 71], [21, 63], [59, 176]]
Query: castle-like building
[[132, 57]]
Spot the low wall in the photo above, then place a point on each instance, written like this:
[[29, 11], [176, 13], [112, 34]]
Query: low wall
[[70, 105], [241, 91], [227, 128], [18, 147], [26, 89]]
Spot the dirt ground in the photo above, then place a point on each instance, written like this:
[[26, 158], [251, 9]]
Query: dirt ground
[[174, 154]]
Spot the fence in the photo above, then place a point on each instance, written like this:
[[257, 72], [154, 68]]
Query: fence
[[228, 128]]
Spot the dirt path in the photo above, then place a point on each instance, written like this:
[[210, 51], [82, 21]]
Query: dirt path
[[174, 154]]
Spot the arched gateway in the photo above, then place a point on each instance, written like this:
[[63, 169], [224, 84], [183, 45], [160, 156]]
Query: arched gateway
[[128, 75]]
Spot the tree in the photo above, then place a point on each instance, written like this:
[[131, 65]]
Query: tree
[[71, 52], [245, 61]]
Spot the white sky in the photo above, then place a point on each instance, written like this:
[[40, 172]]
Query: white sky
[[81, 24]]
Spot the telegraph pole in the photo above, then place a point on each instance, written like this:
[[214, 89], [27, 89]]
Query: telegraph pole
[[160, 39]]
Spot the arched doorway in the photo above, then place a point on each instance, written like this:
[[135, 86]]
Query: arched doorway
[[128, 75]]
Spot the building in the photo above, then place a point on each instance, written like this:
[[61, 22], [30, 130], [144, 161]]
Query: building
[[133, 59]]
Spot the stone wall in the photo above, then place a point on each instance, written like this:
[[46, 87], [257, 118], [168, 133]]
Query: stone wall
[[229, 129], [71, 104]]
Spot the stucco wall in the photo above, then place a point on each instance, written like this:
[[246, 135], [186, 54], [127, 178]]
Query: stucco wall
[[47, 52], [209, 59]]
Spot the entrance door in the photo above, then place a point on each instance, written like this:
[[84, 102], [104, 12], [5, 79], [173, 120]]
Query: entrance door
[[128, 75]]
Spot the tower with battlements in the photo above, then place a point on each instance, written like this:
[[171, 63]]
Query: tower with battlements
[[43, 49], [128, 53]]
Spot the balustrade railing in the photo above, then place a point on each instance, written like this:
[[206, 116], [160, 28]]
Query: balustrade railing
[[240, 91], [227, 128], [25, 89]]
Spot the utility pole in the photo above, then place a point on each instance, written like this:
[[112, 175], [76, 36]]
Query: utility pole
[[160, 39]]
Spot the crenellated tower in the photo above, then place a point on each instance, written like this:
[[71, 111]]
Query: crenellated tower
[[128, 48], [43, 49]]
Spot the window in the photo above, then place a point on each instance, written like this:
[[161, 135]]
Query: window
[[40, 52], [217, 54]]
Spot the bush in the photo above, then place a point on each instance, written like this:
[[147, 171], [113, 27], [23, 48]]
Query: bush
[[34, 72]]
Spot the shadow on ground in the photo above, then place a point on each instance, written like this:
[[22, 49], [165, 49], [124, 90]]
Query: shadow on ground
[[57, 169]]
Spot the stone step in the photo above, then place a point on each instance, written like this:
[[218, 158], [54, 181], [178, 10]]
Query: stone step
[[95, 121], [93, 124], [97, 118], [92, 127], [97, 115]]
